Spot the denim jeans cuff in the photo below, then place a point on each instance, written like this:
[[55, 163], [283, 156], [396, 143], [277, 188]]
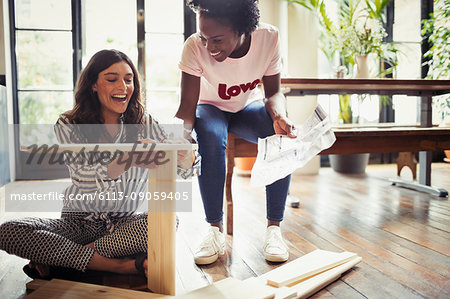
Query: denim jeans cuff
[[214, 220], [275, 219]]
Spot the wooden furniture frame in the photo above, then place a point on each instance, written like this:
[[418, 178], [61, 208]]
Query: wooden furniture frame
[[352, 140]]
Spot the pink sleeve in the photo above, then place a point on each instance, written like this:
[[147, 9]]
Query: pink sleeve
[[190, 58], [275, 64]]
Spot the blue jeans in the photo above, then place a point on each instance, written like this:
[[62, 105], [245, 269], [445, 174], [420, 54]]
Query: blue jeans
[[212, 126]]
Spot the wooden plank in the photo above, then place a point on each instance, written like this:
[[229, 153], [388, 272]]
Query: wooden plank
[[229, 174], [306, 266], [131, 282], [380, 130], [110, 147], [161, 228], [35, 284], [303, 86], [315, 283], [309, 286], [57, 288], [352, 141], [360, 143]]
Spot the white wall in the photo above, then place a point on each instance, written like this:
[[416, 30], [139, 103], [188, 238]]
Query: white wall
[[299, 43]]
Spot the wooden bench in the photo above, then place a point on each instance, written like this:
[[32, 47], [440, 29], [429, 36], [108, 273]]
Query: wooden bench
[[351, 140]]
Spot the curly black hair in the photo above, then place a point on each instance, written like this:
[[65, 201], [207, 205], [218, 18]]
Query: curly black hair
[[242, 15]]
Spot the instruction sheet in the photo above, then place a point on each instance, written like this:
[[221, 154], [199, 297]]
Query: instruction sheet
[[279, 155]]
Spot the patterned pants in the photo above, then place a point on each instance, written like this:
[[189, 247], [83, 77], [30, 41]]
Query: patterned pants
[[60, 242]]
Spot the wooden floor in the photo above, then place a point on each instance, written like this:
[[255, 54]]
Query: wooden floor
[[402, 235]]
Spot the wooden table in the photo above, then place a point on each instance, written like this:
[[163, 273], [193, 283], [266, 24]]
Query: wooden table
[[425, 89], [313, 86]]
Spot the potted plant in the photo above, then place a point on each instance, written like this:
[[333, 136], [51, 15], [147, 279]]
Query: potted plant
[[353, 41], [437, 32]]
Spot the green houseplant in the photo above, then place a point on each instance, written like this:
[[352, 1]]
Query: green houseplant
[[356, 36], [358, 32]]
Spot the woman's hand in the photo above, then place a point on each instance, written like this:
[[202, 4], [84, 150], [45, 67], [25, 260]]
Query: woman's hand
[[126, 160], [284, 126], [276, 106], [185, 158], [144, 159], [146, 141]]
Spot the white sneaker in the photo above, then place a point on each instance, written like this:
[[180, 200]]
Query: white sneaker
[[213, 245], [275, 250]]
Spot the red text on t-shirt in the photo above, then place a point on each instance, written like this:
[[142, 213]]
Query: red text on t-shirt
[[226, 93]]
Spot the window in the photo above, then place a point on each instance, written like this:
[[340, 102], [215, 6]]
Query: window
[[164, 38], [44, 51], [44, 59], [53, 39], [407, 38], [109, 24], [406, 35]]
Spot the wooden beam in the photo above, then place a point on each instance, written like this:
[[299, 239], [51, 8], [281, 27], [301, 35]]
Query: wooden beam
[[371, 140], [57, 288], [421, 87], [306, 267], [161, 227]]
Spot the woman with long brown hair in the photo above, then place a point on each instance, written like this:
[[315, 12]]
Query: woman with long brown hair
[[94, 233]]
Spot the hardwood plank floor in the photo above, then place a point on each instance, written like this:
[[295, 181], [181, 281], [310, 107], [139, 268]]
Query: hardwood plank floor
[[402, 235]]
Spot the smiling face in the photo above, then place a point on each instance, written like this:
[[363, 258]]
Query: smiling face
[[114, 88], [220, 40]]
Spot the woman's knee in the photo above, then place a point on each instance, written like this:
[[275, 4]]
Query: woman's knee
[[210, 137], [211, 126], [5, 229], [19, 228], [10, 232]]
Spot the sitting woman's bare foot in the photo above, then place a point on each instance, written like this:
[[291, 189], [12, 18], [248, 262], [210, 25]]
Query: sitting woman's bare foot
[[42, 269], [145, 268]]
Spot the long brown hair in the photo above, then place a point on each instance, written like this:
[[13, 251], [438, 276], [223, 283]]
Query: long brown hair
[[87, 109]]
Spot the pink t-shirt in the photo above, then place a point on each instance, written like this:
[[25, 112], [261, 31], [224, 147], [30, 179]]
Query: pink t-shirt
[[230, 85]]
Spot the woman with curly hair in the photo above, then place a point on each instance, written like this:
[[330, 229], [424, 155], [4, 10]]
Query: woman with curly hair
[[94, 233], [222, 66]]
